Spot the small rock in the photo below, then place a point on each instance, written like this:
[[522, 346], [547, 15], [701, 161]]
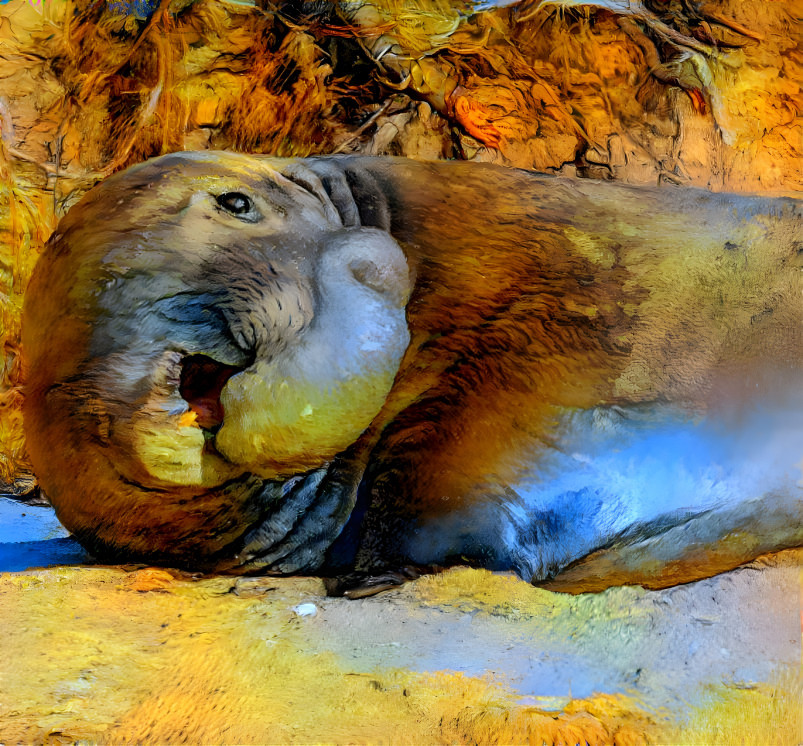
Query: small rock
[[306, 609]]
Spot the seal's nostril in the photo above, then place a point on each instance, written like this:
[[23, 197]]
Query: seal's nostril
[[370, 258], [367, 273]]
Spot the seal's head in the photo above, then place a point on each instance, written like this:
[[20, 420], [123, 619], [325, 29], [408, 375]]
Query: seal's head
[[197, 325]]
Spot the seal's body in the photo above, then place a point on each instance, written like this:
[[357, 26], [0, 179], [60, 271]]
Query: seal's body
[[594, 384]]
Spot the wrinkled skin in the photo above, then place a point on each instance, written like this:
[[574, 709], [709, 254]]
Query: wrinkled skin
[[592, 384]]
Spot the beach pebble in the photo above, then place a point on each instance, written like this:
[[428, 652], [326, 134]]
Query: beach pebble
[[306, 609]]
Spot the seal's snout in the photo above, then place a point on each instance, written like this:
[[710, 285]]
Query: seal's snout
[[300, 404], [370, 258]]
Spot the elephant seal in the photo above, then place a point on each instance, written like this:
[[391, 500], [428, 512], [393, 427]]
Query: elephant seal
[[352, 365]]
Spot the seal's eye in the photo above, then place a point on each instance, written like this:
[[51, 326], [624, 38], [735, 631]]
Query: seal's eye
[[236, 203]]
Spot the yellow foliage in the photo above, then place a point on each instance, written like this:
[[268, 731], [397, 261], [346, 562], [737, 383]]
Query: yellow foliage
[[26, 220], [417, 25]]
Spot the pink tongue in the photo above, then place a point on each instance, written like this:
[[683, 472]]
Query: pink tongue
[[202, 380]]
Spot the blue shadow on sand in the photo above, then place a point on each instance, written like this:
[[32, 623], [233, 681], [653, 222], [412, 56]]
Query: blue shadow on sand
[[28, 554], [31, 536]]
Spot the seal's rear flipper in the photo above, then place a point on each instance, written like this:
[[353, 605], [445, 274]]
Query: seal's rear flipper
[[704, 545]]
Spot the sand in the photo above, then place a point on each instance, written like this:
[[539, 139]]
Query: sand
[[121, 654]]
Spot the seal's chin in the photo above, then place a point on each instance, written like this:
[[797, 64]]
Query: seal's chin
[[278, 425]]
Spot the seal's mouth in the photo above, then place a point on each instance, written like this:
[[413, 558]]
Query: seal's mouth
[[200, 385]]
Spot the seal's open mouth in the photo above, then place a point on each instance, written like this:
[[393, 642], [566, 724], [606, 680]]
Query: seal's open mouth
[[202, 380]]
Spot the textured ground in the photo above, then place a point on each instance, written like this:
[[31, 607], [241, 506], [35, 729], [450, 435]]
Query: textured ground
[[117, 654]]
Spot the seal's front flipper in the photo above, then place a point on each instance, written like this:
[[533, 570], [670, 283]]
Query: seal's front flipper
[[353, 190], [651, 499]]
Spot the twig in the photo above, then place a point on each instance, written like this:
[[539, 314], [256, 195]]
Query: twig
[[671, 35], [365, 125], [733, 26], [49, 169]]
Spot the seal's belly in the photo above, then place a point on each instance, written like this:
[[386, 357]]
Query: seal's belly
[[620, 475]]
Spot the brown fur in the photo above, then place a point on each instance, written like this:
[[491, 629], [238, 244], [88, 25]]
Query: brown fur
[[533, 296], [511, 325]]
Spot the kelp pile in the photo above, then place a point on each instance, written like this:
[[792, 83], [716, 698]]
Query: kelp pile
[[657, 91]]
